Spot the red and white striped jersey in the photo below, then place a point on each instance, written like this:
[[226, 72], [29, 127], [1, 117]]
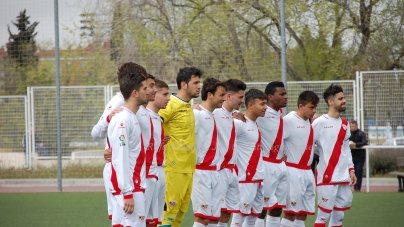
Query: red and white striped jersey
[[331, 137], [128, 155], [156, 143], [226, 137], [248, 149], [298, 137], [145, 123], [207, 156], [271, 126], [100, 129]]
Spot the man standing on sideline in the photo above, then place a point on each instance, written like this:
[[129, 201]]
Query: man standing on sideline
[[335, 170], [356, 141], [226, 147], [276, 181], [179, 124], [206, 190], [298, 140]]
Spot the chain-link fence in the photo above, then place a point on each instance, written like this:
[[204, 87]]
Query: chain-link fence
[[382, 109]]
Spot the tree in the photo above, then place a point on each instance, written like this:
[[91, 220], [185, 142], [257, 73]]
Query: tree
[[21, 57]]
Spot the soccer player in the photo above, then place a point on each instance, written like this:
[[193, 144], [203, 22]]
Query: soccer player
[[179, 124], [99, 130], [225, 145], [157, 192], [146, 128], [335, 170], [298, 137], [249, 160], [276, 181], [206, 192], [128, 155]]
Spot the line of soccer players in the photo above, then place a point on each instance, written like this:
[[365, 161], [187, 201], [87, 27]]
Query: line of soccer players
[[228, 163]]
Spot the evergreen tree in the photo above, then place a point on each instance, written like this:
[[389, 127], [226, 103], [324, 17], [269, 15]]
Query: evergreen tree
[[21, 57]]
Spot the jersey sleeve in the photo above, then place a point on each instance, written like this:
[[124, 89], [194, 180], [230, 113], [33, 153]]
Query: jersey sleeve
[[99, 130], [316, 128], [166, 113], [347, 149], [286, 128], [118, 137]]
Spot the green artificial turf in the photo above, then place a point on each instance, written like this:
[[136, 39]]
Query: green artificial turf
[[89, 209]]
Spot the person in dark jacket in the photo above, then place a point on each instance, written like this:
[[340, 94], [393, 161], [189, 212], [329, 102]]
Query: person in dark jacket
[[357, 140]]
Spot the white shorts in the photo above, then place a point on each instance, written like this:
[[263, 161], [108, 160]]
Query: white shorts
[[302, 192], [149, 194], [136, 219], [251, 198], [337, 197], [155, 212], [230, 191], [106, 175], [206, 194], [276, 185]]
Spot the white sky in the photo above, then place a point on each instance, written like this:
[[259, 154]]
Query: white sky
[[43, 12]]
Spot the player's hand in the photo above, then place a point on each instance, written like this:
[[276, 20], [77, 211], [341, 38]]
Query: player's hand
[[128, 205], [284, 157], [353, 178], [196, 107], [107, 155], [117, 110], [239, 116], [352, 145], [166, 139]]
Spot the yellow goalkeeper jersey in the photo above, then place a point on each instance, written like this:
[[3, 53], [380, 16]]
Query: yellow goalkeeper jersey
[[179, 124]]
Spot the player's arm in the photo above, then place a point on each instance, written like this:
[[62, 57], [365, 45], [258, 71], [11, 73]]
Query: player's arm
[[119, 139], [347, 153], [197, 114], [99, 130], [166, 114], [316, 130]]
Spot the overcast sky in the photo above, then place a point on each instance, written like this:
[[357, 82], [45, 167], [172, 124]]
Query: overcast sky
[[43, 12]]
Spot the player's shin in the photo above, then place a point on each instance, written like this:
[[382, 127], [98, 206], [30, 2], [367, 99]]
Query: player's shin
[[336, 218]]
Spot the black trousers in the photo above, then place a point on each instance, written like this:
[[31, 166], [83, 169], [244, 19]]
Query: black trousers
[[358, 164]]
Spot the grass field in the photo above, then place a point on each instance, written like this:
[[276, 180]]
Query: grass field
[[88, 209]]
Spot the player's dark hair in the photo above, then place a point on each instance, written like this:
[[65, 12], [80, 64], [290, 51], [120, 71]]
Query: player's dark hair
[[210, 85], [271, 87], [254, 94], [130, 82], [160, 84], [131, 68], [150, 76], [185, 75], [354, 122], [331, 91], [308, 97], [235, 85]]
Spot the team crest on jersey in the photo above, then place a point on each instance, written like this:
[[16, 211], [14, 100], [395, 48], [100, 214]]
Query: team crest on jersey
[[109, 108], [324, 199], [293, 203], [122, 140], [141, 218], [172, 203], [121, 125], [245, 204], [204, 206], [222, 199], [344, 127], [266, 199]]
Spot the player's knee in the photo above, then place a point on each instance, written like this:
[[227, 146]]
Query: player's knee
[[225, 217], [276, 212], [263, 214]]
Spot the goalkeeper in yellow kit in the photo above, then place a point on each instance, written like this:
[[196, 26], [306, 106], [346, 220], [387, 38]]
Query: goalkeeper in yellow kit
[[180, 151]]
